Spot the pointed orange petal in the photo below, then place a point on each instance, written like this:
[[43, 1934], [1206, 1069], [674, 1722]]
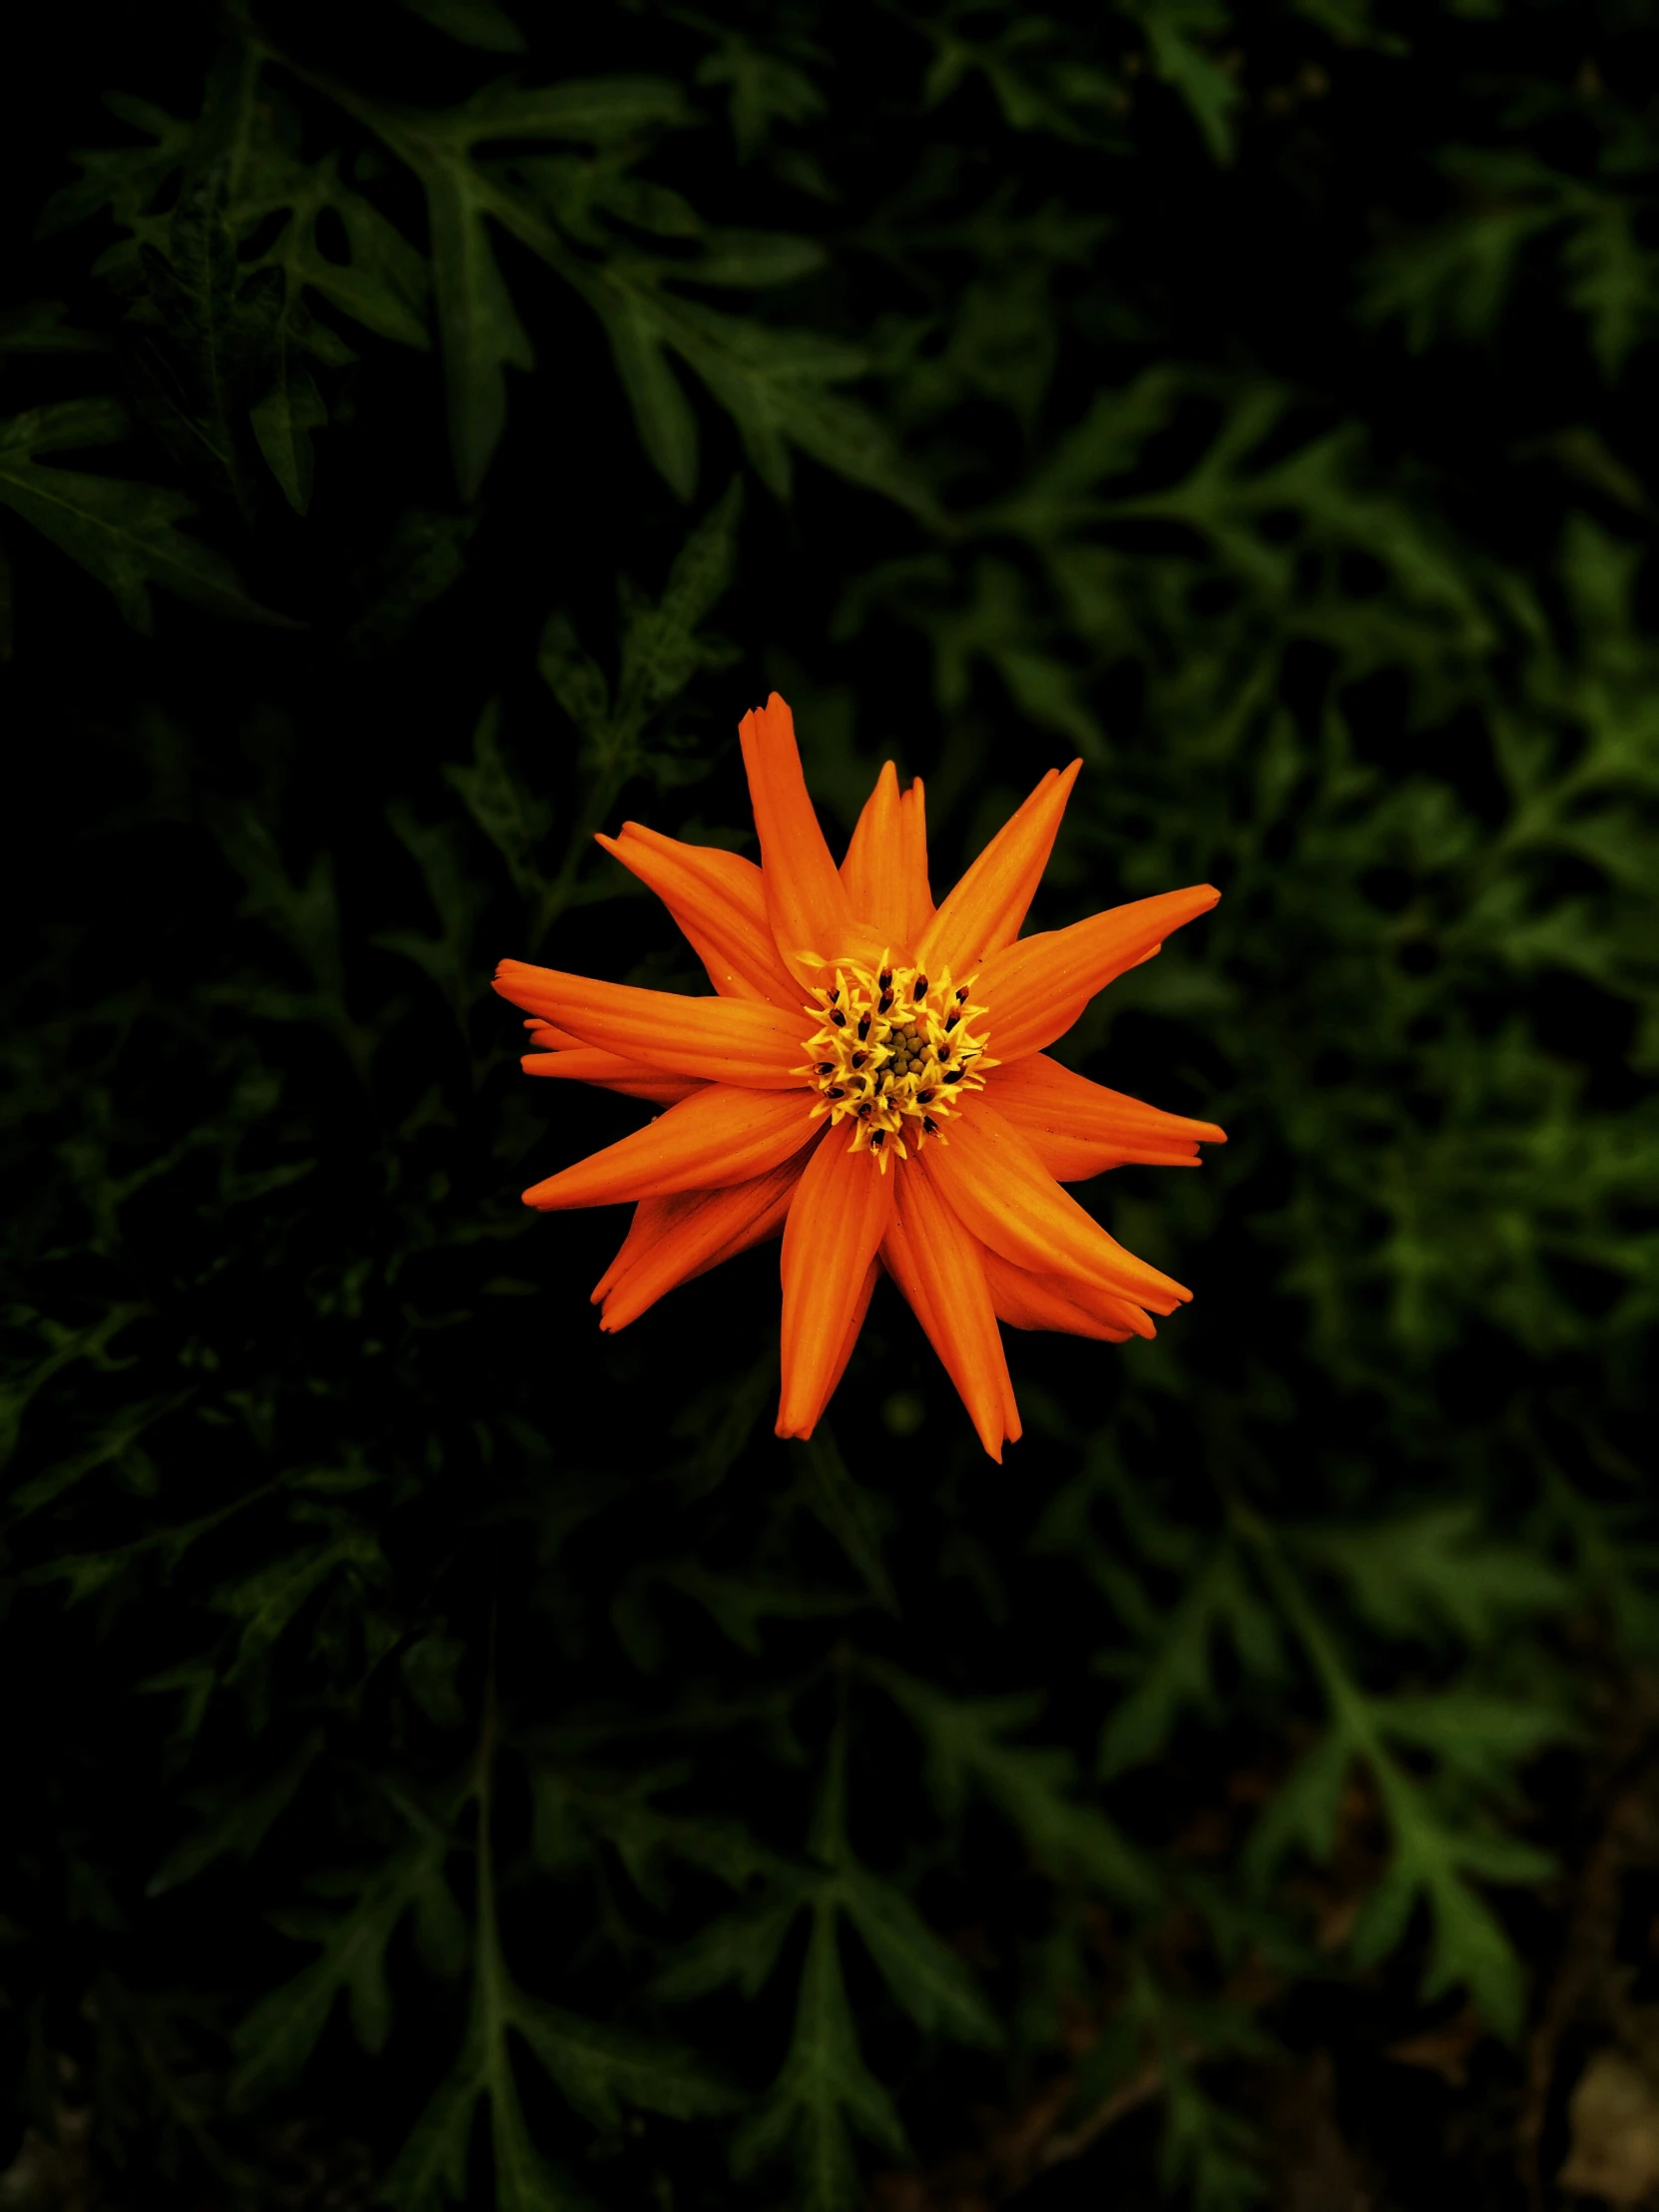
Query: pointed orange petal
[[875, 870], [1034, 990], [987, 907], [940, 1269], [841, 1209], [710, 1141], [720, 1040], [608, 1071], [1060, 1303], [1078, 1128], [546, 1036], [807, 903], [719, 902], [674, 1239], [1006, 1197], [913, 829], [838, 1367]]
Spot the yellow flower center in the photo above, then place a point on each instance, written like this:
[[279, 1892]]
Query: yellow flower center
[[895, 1055]]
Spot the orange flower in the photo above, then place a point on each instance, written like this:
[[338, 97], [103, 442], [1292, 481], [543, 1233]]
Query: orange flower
[[869, 1080]]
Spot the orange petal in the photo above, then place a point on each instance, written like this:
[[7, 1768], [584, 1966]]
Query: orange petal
[[838, 1367], [841, 1209], [1034, 990], [807, 903], [722, 1040], [1060, 1303], [1078, 1128], [989, 904], [914, 827], [608, 1071], [712, 1139], [720, 905], [940, 1269], [546, 1036], [674, 1239], [879, 871], [1006, 1197]]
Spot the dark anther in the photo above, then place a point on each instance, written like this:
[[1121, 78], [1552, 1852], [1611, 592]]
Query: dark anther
[[886, 1006], [858, 1059], [954, 1075], [827, 1067], [961, 995], [885, 978], [837, 1017], [925, 1098], [951, 1023], [833, 995], [866, 1110], [931, 1125], [838, 1092], [863, 1027], [878, 1138], [920, 991]]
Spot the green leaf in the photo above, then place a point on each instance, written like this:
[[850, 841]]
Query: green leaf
[[1610, 277], [238, 1822], [479, 332], [460, 898], [274, 2043], [1433, 1570], [514, 818], [478, 328], [823, 2093], [1304, 1811], [1030, 1785], [480, 23], [601, 2070], [925, 1977], [125, 534], [39, 328], [1178, 1672], [740, 1950], [431, 2168], [126, 180], [572, 1809], [282, 424], [850, 1513], [1176, 31]]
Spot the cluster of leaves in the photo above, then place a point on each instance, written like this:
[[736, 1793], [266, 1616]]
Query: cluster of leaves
[[697, 1819]]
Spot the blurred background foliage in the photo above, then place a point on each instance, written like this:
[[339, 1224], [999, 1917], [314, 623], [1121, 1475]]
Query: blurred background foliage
[[457, 1757]]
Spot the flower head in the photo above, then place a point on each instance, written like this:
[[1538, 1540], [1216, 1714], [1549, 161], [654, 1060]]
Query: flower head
[[868, 1079]]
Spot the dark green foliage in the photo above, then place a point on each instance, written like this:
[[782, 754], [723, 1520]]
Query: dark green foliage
[[472, 1743]]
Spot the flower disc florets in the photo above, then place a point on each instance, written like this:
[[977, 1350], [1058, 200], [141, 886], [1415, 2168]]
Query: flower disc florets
[[896, 1054]]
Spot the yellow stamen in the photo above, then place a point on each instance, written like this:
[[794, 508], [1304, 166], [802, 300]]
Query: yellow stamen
[[896, 1054]]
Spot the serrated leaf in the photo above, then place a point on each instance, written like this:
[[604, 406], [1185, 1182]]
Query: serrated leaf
[[278, 2035], [601, 2070], [514, 818], [1435, 1571], [1304, 1810], [926, 1977], [850, 1514], [823, 2093], [480, 23], [125, 534], [1177, 1672], [431, 2168], [662, 412], [39, 328], [237, 1823], [1032, 1786], [284, 420], [739, 1949]]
